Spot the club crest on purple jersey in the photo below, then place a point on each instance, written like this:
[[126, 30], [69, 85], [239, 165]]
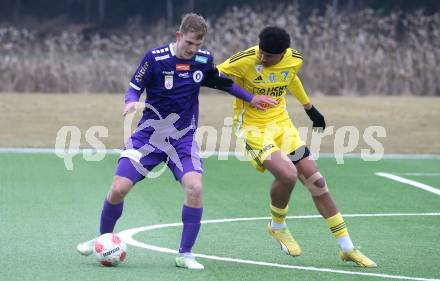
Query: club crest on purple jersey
[[168, 82], [197, 76]]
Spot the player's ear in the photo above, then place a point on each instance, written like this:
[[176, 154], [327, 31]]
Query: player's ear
[[178, 35]]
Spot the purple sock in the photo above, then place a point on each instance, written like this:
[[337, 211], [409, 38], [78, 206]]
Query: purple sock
[[191, 218], [109, 215]]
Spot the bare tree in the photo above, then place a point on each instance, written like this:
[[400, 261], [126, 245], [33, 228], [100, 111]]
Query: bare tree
[[16, 10], [170, 12], [101, 11], [87, 11], [190, 5]]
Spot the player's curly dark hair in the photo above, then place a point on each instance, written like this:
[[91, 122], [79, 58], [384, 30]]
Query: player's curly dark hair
[[274, 39]]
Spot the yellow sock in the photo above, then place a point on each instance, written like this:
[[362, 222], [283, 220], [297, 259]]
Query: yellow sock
[[337, 225], [278, 215], [340, 232]]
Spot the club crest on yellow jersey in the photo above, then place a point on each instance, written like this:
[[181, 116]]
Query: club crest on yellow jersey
[[272, 77]]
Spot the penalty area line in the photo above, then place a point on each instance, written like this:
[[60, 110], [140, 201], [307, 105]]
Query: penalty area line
[[410, 182], [127, 236]]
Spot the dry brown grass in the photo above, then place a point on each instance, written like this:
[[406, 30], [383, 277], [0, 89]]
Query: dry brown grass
[[33, 120], [356, 53]]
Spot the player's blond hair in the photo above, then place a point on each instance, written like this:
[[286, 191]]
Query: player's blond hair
[[195, 23]]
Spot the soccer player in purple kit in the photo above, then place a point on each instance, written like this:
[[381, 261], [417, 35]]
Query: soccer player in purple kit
[[172, 76]]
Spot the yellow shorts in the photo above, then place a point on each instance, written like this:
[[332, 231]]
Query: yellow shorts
[[260, 142]]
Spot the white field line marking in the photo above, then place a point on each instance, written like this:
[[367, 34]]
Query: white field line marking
[[410, 182], [127, 236], [205, 154], [419, 174], [30, 150]]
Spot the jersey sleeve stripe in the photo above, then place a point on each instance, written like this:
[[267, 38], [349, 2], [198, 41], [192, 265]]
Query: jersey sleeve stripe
[[134, 86], [296, 54], [242, 53], [240, 57]]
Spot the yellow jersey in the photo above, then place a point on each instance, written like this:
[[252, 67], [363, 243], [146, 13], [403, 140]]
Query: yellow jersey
[[274, 81]]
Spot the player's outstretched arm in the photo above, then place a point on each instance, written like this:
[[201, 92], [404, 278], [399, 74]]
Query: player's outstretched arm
[[216, 80]]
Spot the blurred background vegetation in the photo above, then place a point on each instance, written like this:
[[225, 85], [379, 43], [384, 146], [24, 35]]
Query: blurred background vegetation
[[368, 47], [116, 12]]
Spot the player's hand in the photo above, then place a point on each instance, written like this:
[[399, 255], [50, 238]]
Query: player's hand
[[263, 102], [317, 118], [129, 108]]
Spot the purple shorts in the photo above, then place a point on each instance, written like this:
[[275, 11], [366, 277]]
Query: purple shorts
[[140, 156]]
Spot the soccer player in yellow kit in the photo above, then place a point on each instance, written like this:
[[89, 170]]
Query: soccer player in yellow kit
[[272, 142]]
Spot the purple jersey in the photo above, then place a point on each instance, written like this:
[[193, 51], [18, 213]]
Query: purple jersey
[[172, 85]]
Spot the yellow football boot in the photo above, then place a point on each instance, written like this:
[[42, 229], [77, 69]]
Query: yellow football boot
[[357, 257], [287, 243]]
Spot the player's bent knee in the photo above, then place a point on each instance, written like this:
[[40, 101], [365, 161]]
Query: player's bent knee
[[288, 177], [320, 183], [194, 190], [119, 190], [315, 184]]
